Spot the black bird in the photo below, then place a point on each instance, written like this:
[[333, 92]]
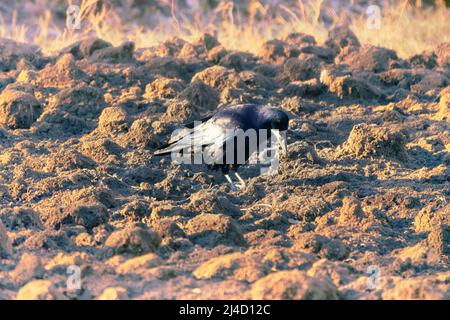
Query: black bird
[[235, 126]]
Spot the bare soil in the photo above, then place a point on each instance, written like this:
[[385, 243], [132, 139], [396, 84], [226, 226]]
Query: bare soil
[[364, 191]]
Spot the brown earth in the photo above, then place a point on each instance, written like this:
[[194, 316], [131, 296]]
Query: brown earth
[[366, 184]]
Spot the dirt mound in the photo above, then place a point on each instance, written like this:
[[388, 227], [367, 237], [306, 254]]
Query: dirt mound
[[201, 95], [81, 100], [442, 52], [12, 53], [373, 141], [5, 242], [132, 240], [431, 217], [345, 85], [444, 105], [163, 88], [85, 48], [341, 37], [367, 58], [18, 110], [212, 229], [293, 285]]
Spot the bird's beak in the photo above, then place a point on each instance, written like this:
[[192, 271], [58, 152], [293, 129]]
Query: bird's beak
[[281, 139]]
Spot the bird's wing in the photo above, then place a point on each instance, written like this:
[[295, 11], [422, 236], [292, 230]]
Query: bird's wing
[[187, 129], [194, 139]]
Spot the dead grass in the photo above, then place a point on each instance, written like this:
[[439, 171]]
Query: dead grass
[[404, 27]]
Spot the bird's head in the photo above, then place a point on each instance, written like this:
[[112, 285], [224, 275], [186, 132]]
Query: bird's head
[[277, 120]]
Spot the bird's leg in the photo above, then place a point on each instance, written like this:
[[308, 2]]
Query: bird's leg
[[242, 184], [227, 176], [233, 185]]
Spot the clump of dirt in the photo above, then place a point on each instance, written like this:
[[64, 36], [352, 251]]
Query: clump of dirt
[[120, 54], [132, 240], [367, 58], [213, 202], [5, 242], [30, 266], [113, 121], [444, 105], [341, 37], [12, 53], [327, 248], [344, 85], [64, 73], [373, 141], [442, 54], [39, 290], [293, 285], [163, 88], [81, 100], [18, 110], [201, 95], [439, 239], [431, 217], [219, 77], [304, 67], [85, 48], [210, 230], [88, 215]]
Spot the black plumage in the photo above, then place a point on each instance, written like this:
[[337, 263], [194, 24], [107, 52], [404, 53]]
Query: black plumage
[[228, 125]]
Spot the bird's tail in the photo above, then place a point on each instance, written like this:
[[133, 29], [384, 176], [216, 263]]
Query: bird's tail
[[167, 149]]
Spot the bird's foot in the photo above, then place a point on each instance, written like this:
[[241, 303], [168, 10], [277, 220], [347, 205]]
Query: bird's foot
[[242, 183], [236, 186]]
